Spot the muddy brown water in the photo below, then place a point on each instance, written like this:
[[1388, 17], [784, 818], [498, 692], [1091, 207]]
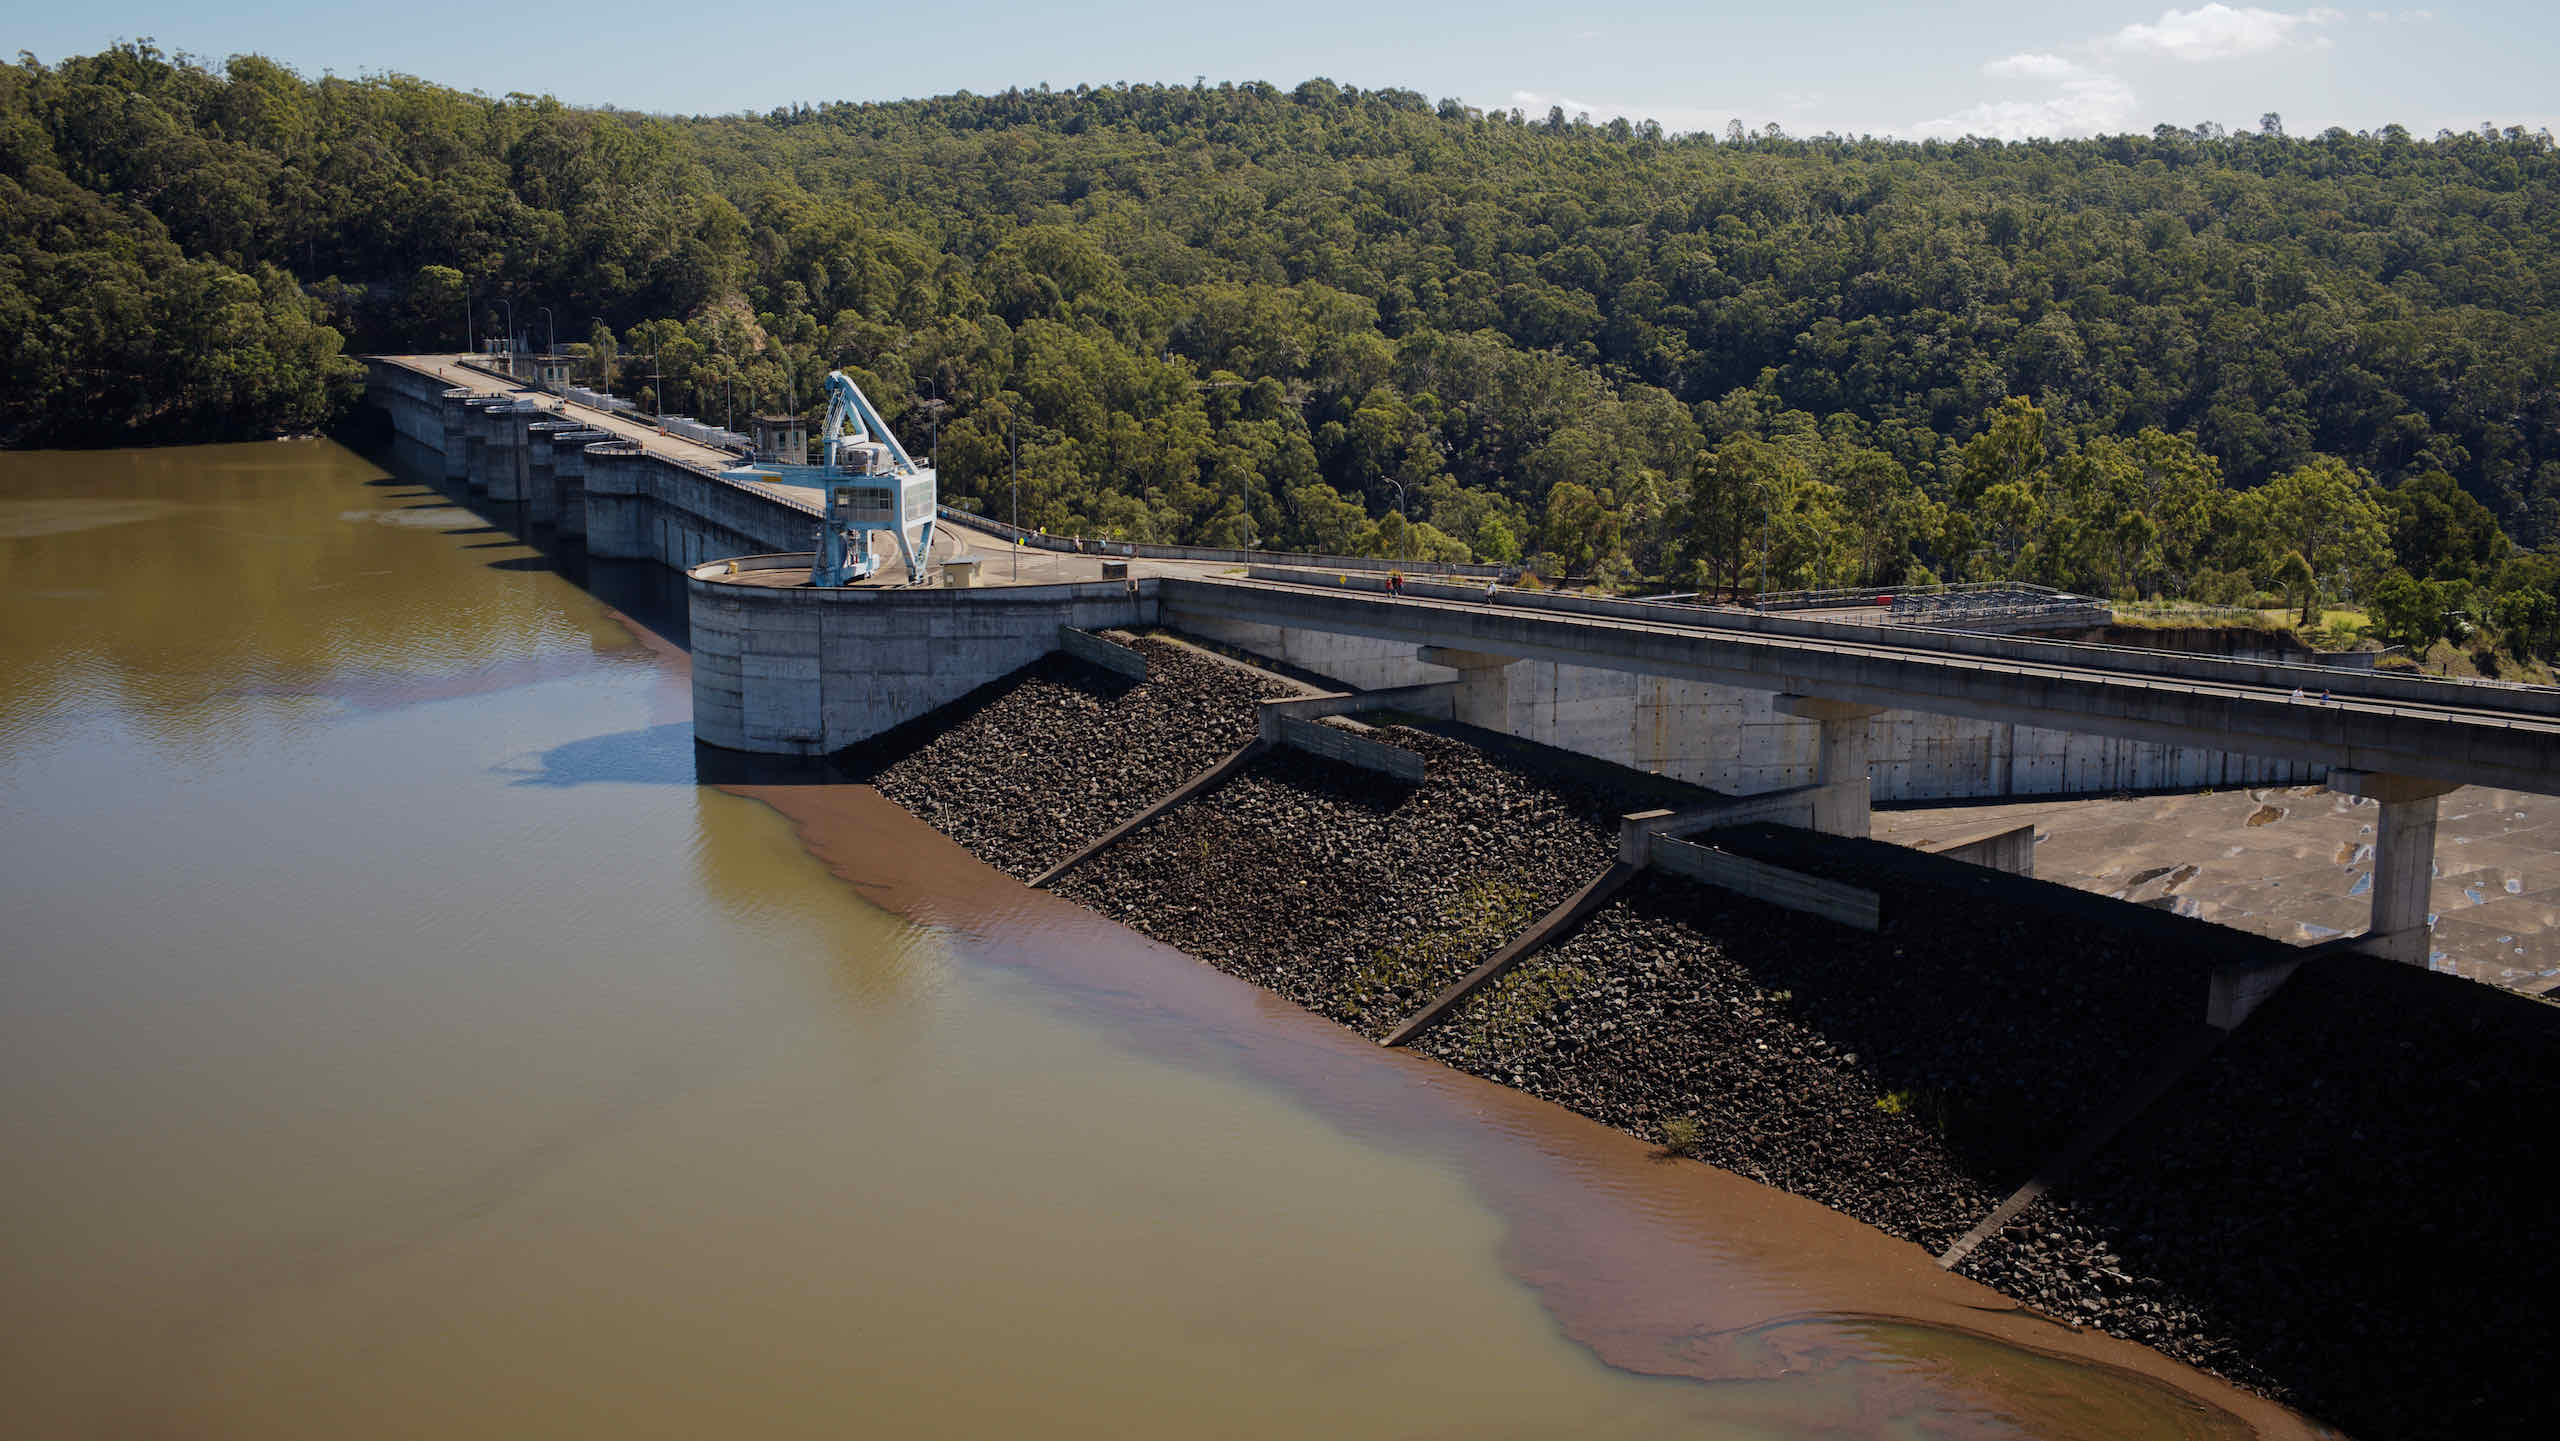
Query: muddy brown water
[[397, 1038]]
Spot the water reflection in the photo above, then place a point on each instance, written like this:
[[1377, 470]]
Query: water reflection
[[653, 755]]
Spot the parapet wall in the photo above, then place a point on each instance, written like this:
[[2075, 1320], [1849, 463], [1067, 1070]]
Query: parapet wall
[[804, 670]]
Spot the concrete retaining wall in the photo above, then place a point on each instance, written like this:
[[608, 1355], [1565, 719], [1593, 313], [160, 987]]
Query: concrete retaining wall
[[1349, 748], [807, 671], [2012, 850], [1830, 900], [1092, 649]]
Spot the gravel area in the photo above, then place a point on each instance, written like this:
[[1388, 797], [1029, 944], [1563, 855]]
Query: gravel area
[[1350, 894], [2345, 1207], [1027, 770], [1910, 1077]]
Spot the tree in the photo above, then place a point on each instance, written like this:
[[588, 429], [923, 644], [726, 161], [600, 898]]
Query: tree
[[2438, 531], [2529, 619], [2329, 514], [1582, 528], [2295, 577], [438, 295]]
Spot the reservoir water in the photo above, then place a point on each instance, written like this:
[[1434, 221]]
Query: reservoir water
[[399, 1037]]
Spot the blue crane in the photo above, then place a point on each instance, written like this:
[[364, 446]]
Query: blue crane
[[871, 484]]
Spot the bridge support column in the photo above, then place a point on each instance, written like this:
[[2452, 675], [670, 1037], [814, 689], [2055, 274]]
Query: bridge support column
[[1483, 696], [1840, 808], [2404, 859]]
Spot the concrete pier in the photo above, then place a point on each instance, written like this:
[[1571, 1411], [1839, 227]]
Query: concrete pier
[[1483, 694], [454, 413], [1840, 765], [541, 471], [617, 500], [2404, 853], [569, 478]]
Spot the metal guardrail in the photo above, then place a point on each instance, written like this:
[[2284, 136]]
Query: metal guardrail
[[1956, 606], [1965, 608], [1878, 595], [1146, 550]]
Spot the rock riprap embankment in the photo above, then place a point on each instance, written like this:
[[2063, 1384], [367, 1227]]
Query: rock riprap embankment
[[1027, 770], [2344, 1206], [2348, 1206], [1351, 894], [1910, 1077]]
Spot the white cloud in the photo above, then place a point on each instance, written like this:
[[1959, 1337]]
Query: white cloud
[[2081, 101], [2219, 32], [2032, 66]]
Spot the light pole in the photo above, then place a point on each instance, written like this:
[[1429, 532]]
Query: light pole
[[1404, 533], [511, 335], [1762, 486], [1013, 436]]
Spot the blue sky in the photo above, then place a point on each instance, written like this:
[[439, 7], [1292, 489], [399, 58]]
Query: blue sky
[[1992, 67]]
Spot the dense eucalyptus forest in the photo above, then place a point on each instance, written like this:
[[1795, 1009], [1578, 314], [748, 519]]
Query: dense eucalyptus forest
[[2188, 363]]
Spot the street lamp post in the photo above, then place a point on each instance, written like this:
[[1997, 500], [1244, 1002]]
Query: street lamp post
[[511, 335], [1013, 436]]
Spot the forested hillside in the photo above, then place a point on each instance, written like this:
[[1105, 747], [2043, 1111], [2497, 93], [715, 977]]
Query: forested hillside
[[2191, 363]]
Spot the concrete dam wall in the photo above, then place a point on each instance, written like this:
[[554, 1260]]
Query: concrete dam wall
[[786, 670], [576, 478]]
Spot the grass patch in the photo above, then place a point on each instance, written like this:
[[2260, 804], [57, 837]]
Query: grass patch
[[1928, 1108], [1682, 1135], [1396, 979]]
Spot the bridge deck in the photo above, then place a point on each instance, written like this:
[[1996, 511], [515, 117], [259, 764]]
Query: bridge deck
[[2471, 734]]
